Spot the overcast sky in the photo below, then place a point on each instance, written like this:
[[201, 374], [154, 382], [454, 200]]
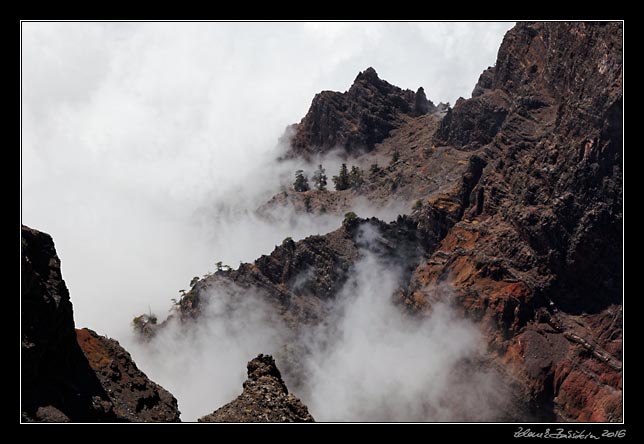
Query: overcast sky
[[129, 128]]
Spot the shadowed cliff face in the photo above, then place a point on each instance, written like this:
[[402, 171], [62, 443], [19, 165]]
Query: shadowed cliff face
[[62, 381], [299, 278], [57, 382], [537, 255]]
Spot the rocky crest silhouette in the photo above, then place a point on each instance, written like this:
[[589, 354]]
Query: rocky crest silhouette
[[265, 398], [75, 375]]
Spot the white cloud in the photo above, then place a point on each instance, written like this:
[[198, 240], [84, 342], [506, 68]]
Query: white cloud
[[133, 131], [368, 360]]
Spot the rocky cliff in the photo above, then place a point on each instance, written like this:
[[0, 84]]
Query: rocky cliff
[[536, 256], [62, 381], [265, 398]]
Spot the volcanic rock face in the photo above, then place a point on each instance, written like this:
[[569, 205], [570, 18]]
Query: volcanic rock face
[[299, 278], [358, 119], [537, 255], [59, 384], [133, 395], [400, 170], [265, 398]]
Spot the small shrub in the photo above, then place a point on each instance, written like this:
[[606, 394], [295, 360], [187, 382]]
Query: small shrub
[[319, 178], [341, 181], [348, 217], [374, 170], [301, 183], [395, 157]]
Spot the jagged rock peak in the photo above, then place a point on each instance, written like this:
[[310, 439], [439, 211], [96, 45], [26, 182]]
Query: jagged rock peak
[[265, 398], [358, 119], [369, 75], [421, 104], [264, 365]]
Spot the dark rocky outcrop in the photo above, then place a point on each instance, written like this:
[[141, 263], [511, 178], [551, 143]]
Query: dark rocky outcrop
[[59, 384], [299, 278], [358, 119], [133, 395], [265, 398], [409, 167]]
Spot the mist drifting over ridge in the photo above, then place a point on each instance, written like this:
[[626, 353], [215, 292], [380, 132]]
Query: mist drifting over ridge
[[131, 130], [367, 361], [156, 144]]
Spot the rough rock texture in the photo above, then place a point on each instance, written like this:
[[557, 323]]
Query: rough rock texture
[[357, 119], [133, 395], [536, 256], [299, 278], [59, 384], [419, 170], [472, 123], [265, 398]]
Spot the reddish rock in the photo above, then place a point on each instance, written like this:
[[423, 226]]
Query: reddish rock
[[134, 396], [537, 255]]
